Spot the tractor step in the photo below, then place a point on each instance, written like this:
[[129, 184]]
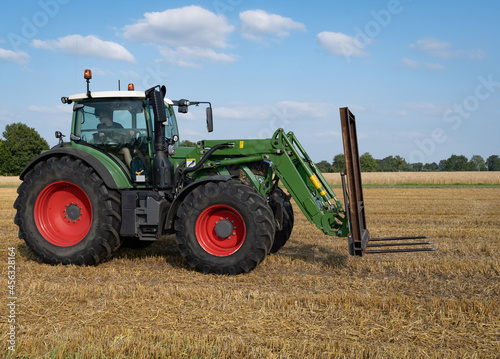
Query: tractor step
[[390, 242]]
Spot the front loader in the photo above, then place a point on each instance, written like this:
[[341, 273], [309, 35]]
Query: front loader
[[122, 178]]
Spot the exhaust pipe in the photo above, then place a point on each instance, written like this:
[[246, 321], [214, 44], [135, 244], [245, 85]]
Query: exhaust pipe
[[163, 169]]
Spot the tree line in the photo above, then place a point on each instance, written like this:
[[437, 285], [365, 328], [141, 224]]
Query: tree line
[[20, 144], [399, 164]]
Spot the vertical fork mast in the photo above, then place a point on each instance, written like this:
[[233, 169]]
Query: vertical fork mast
[[359, 236], [354, 202]]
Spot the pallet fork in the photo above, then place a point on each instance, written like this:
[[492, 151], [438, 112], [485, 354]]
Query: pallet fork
[[359, 237]]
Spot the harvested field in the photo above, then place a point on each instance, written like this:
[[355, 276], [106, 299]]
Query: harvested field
[[437, 178], [9, 181], [308, 300]]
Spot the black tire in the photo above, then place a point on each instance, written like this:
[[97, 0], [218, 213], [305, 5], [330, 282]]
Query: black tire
[[224, 228], [66, 214], [281, 237]]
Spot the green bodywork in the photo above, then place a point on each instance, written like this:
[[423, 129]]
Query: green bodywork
[[290, 164], [285, 159]]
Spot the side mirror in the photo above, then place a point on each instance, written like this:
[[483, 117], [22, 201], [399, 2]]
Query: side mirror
[[183, 106], [210, 120]]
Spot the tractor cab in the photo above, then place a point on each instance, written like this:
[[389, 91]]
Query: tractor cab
[[120, 123]]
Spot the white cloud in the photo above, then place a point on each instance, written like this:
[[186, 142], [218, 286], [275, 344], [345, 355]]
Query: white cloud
[[327, 134], [419, 64], [191, 56], [190, 26], [257, 24], [433, 47], [50, 110], [283, 111], [89, 45], [425, 108], [294, 109], [338, 43], [442, 49], [18, 57]]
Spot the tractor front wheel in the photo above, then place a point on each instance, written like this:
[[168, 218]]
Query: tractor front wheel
[[66, 214], [224, 228]]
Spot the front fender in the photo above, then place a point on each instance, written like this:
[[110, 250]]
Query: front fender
[[168, 228]]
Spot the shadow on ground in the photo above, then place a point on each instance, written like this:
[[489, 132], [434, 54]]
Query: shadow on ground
[[166, 247]]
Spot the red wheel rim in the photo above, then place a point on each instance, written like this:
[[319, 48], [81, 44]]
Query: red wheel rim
[[63, 214], [216, 241]]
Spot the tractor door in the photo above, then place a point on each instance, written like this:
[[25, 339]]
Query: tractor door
[[118, 127]]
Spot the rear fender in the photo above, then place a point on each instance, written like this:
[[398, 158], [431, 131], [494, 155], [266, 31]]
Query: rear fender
[[119, 180]]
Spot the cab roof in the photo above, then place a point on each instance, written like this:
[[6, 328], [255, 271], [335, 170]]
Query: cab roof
[[115, 94]]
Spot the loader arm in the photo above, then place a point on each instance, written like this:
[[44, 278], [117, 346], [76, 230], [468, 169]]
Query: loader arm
[[292, 166]]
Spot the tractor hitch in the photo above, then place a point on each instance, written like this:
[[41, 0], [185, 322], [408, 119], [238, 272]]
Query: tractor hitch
[[359, 237]]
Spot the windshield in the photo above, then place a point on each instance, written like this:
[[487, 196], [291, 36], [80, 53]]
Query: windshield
[[120, 128], [111, 122]]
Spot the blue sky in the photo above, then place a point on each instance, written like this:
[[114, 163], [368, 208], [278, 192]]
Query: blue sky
[[422, 77]]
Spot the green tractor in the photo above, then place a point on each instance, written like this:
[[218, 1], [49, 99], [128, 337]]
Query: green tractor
[[123, 177]]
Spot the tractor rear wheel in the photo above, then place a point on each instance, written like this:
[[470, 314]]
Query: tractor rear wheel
[[224, 228], [66, 214]]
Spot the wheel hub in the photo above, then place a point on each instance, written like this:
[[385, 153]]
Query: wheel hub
[[73, 212], [224, 228]]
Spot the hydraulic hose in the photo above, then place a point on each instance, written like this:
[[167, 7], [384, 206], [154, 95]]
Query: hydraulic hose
[[205, 158]]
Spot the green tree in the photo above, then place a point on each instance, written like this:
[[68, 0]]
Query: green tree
[[187, 143], [431, 167], [324, 166], [476, 163], [455, 163], [392, 164], [493, 163], [20, 145], [367, 163], [338, 164], [417, 167], [385, 164]]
